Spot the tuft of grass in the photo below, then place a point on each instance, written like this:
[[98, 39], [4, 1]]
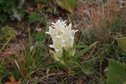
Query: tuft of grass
[[98, 22]]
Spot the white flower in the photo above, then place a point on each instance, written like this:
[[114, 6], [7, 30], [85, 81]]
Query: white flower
[[63, 39]]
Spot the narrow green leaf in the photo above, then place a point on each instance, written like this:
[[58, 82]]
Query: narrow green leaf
[[68, 5], [80, 46], [48, 65], [80, 64], [85, 50]]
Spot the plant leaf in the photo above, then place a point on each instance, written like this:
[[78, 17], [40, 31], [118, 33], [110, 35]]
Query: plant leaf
[[80, 64], [122, 43], [16, 15], [116, 73], [80, 46], [39, 36], [12, 79], [85, 50], [68, 5], [48, 65]]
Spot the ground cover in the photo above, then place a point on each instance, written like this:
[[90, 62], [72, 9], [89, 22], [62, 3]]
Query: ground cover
[[99, 43]]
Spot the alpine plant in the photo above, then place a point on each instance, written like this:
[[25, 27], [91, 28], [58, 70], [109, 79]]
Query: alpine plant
[[62, 37]]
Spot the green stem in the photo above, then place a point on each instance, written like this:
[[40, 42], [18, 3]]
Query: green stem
[[67, 75], [6, 43]]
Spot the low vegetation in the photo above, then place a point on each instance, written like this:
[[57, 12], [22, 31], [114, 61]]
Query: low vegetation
[[98, 55]]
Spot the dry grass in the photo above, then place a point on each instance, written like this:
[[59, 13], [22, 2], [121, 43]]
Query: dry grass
[[97, 19]]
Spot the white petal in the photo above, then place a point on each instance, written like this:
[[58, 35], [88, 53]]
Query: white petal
[[47, 32], [70, 25], [57, 50], [73, 32], [51, 46], [58, 36]]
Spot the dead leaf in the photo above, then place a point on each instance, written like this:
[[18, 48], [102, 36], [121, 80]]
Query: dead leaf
[[86, 56], [12, 79], [38, 5], [16, 15]]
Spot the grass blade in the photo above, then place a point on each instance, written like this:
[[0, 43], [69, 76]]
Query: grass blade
[[48, 65], [85, 50], [80, 64]]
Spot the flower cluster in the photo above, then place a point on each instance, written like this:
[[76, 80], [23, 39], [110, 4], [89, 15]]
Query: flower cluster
[[63, 39]]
